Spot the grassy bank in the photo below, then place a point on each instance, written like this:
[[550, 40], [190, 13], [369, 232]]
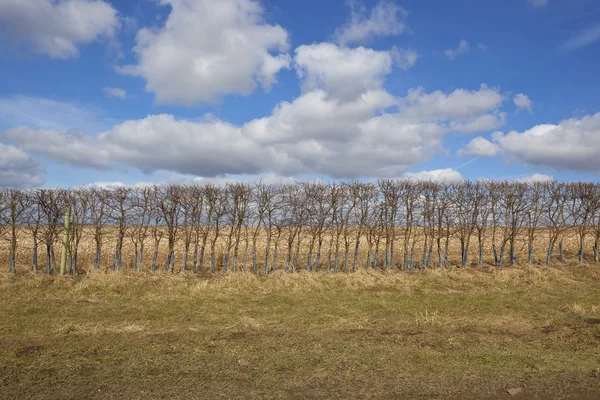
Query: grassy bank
[[428, 334]]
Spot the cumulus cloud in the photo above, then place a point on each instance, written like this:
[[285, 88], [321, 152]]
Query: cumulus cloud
[[18, 169], [207, 49], [115, 92], [57, 27], [69, 147], [480, 147], [463, 48], [314, 134], [342, 72], [572, 144], [436, 175], [523, 102], [534, 178], [385, 19], [462, 110]]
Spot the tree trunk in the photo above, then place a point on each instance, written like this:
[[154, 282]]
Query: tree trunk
[[560, 249], [202, 250], [346, 262], [154, 259], [34, 257], [549, 255]]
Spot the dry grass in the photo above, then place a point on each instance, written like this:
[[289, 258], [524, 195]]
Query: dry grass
[[454, 334], [87, 250]]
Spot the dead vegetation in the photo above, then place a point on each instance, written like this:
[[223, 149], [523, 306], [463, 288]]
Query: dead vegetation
[[435, 334], [342, 227]]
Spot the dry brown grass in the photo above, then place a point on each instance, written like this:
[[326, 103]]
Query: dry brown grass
[[87, 251], [436, 334]]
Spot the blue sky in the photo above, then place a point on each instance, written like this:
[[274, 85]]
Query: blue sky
[[120, 92]]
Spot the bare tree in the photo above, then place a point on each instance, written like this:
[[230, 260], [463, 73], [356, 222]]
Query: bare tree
[[555, 215], [169, 205], [140, 209], [51, 204], [99, 220], [581, 209], [12, 213], [80, 205]]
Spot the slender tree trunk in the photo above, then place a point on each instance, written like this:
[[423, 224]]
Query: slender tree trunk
[[34, 257], [368, 263], [202, 250], [560, 249], [329, 261], [337, 262], [154, 259], [53, 258], [496, 261], [195, 264], [11, 262], [549, 255], [316, 267], [530, 253], [355, 254], [375, 257], [75, 253], [346, 262]]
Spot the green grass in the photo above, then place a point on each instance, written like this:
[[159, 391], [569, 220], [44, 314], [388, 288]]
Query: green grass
[[427, 335]]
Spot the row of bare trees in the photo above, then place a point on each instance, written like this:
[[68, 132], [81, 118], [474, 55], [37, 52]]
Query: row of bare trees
[[342, 226]]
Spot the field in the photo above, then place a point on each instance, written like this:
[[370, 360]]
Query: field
[[434, 334], [87, 250]]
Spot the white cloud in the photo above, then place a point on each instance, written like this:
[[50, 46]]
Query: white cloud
[[538, 3], [523, 102], [57, 27], [436, 175], [18, 169], [405, 59], [467, 111], [482, 123], [342, 72], [582, 39], [534, 178], [480, 147], [463, 48], [115, 92], [572, 144], [70, 147], [207, 49], [314, 134], [386, 19]]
